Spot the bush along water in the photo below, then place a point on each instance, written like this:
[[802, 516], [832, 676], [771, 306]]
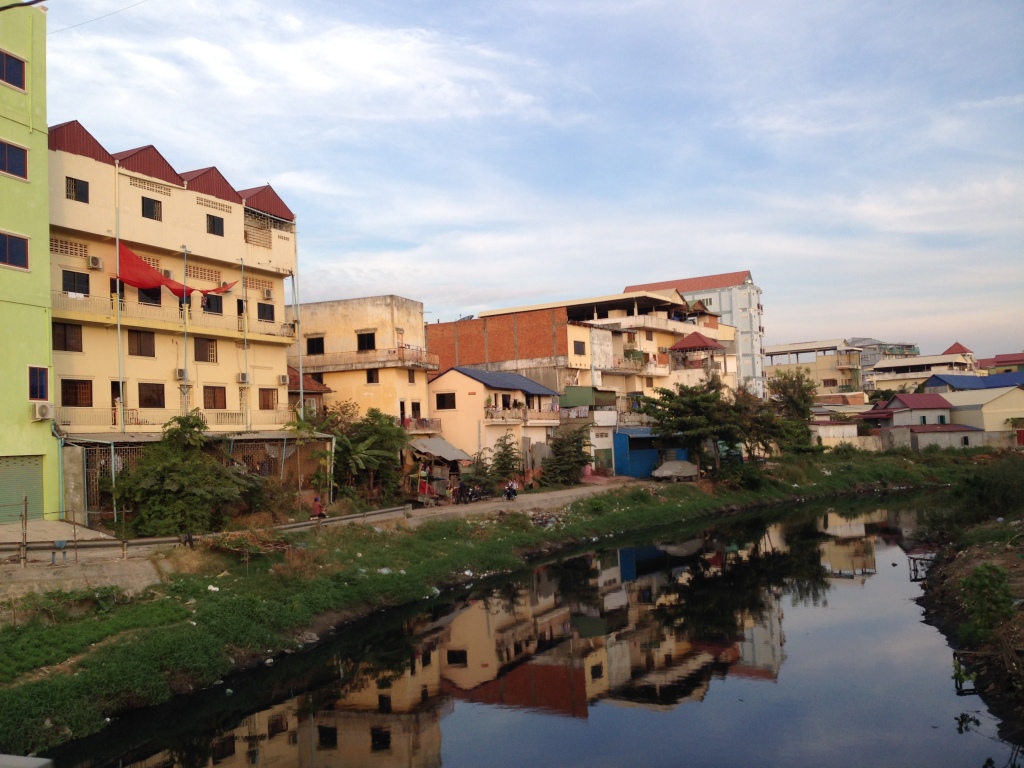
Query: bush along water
[[109, 653]]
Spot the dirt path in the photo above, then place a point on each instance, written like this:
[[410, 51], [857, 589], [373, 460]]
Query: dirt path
[[101, 561]]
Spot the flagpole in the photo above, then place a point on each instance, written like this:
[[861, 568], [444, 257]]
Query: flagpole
[[245, 345], [118, 288], [186, 305]]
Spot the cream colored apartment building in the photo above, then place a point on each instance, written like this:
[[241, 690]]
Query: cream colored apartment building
[[128, 364], [370, 351], [834, 365]]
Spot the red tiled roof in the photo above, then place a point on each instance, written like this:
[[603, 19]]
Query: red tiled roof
[[265, 199], [958, 349], [919, 401], [210, 181], [71, 137], [308, 384], [876, 413], [1014, 358], [149, 162], [695, 341], [691, 284]]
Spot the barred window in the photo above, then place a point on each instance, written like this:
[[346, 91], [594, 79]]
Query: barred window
[[151, 395], [206, 350], [76, 393], [142, 343], [215, 398], [67, 337]]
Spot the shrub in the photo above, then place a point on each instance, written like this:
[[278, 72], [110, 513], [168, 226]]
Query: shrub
[[987, 600]]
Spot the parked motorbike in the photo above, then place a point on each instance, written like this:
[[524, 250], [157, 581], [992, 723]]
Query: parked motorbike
[[476, 493]]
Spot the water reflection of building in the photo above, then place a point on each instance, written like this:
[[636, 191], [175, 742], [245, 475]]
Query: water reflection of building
[[612, 626]]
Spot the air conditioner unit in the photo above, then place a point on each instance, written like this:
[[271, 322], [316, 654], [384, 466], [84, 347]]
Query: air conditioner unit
[[243, 378], [95, 262], [180, 374], [225, 284], [268, 293], [663, 350], [168, 273], [282, 379], [42, 411]]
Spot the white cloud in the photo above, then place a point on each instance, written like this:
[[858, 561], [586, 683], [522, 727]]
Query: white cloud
[[866, 168]]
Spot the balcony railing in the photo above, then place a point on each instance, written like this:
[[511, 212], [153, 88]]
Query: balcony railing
[[421, 426], [395, 357], [542, 415], [630, 364], [504, 414], [130, 310], [67, 416], [634, 419], [279, 415]]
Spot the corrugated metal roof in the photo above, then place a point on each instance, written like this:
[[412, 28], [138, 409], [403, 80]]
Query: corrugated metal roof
[[694, 284], [1012, 379], [73, 138], [504, 380], [265, 199], [917, 401], [919, 361], [210, 181], [148, 161], [438, 446], [823, 345], [976, 396]]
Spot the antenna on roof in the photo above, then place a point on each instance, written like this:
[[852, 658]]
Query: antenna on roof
[[467, 317]]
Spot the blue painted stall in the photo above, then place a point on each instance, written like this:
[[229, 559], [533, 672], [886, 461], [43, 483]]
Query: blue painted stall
[[635, 453]]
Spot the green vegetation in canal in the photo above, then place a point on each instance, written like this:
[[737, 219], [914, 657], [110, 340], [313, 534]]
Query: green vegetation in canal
[[230, 611]]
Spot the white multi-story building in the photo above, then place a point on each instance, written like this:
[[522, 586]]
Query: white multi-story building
[[737, 301]]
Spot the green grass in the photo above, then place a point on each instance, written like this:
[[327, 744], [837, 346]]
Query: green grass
[[166, 643]]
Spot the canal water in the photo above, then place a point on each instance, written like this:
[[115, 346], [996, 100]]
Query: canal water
[[790, 641]]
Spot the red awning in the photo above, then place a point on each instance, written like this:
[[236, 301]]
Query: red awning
[[138, 274]]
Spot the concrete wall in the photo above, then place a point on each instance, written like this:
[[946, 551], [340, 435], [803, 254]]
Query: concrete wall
[[861, 442], [912, 417], [74, 484]]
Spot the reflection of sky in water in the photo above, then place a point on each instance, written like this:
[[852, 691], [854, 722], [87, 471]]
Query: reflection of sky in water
[[865, 683]]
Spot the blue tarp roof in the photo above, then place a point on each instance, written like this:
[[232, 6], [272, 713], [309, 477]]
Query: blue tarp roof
[[504, 380], [1014, 379]]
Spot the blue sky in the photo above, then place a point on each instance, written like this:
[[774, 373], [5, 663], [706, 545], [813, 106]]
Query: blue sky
[[865, 160]]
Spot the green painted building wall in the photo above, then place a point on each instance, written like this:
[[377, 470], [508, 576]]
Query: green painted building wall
[[28, 451]]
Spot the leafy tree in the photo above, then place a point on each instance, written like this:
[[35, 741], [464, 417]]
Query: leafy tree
[[375, 441], [176, 487], [752, 423], [506, 460], [568, 457], [479, 472], [688, 417], [793, 393]]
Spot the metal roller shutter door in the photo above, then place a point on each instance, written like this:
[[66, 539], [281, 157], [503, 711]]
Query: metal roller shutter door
[[20, 475]]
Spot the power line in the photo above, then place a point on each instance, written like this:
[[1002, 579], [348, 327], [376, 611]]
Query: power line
[[90, 21], [19, 5]]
